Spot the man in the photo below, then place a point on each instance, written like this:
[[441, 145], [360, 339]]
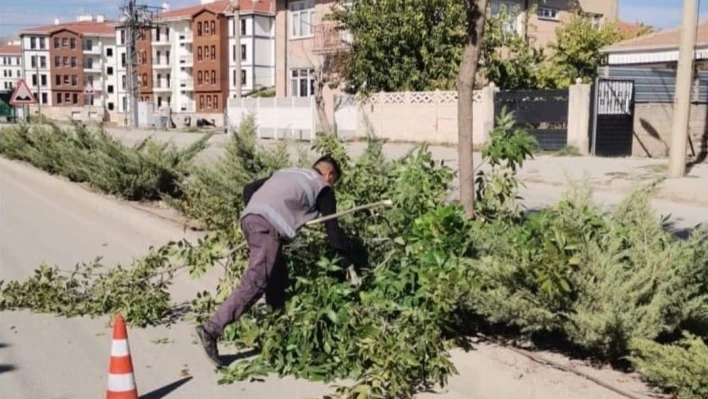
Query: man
[[276, 208]]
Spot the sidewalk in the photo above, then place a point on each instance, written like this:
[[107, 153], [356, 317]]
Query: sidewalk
[[612, 175]]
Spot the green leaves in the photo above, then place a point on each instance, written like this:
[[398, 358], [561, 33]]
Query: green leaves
[[409, 45]]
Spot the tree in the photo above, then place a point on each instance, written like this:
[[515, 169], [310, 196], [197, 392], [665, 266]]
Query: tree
[[475, 15], [576, 50], [403, 45], [507, 58]]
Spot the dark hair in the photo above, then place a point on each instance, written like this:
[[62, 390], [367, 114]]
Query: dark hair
[[328, 159]]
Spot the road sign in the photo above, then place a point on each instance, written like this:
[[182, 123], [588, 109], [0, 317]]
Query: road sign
[[22, 94]]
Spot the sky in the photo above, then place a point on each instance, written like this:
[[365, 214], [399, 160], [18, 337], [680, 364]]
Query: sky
[[20, 14]]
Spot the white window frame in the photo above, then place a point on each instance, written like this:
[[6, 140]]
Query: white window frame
[[547, 13], [307, 74], [299, 11]]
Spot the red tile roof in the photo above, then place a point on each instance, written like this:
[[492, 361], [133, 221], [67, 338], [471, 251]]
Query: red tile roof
[[220, 7], [10, 49], [661, 40], [90, 28]]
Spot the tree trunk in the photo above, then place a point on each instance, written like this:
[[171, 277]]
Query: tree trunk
[[320, 82], [476, 15]]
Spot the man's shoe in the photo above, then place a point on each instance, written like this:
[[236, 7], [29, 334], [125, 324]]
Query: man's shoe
[[209, 345]]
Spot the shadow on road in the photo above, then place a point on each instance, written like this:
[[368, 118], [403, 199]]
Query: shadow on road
[[166, 390], [5, 368]]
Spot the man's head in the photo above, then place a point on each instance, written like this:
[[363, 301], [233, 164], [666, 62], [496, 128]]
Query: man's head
[[328, 168]]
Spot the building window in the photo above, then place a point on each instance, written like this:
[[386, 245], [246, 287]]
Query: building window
[[199, 53], [34, 81], [73, 43], [206, 28], [45, 99], [65, 42], [209, 104], [122, 60], [302, 16], [41, 43], [243, 78], [243, 52], [123, 81], [66, 79], [74, 80], [201, 102], [33, 61], [110, 88], [57, 80], [56, 42], [199, 28], [75, 98], [199, 77], [33, 43], [67, 97], [73, 62], [88, 45], [213, 52], [109, 71], [109, 52], [122, 36], [213, 78], [111, 106], [57, 62], [547, 13], [124, 100], [243, 27], [66, 61], [216, 102], [59, 98], [302, 82], [44, 80], [145, 79]]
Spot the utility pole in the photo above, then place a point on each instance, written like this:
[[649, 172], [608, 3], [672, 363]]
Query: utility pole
[[237, 33], [682, 95], [39, 86], [137, 18]]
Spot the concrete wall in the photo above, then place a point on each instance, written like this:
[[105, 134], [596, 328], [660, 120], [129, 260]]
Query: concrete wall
[[414, 116], [652, 129]]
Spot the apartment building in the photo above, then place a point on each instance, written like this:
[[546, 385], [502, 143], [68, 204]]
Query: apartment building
[[10, 66], [71, 65], [189, 60]]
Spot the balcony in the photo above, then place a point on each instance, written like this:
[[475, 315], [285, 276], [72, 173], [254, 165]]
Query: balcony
[[94, 67], [161, 87], [185, 37], [93, 49], [161, 40], [186, 61], [187, 107], [161, 63], [329, 39], [186, 84]]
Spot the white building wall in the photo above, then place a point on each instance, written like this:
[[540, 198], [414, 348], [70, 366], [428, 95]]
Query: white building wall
[[10, 71], [37, 46], [259, 62]]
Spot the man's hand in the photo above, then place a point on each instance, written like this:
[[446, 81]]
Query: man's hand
[[353, 276]]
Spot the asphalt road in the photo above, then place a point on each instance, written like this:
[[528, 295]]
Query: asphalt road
[[43, 218]]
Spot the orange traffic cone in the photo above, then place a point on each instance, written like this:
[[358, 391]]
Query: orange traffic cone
[[121, 381]]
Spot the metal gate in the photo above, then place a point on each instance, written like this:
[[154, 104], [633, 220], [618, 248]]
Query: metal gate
[[544, 112], [613, 118]]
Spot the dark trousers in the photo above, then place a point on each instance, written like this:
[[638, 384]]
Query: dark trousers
[[266, 273]]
